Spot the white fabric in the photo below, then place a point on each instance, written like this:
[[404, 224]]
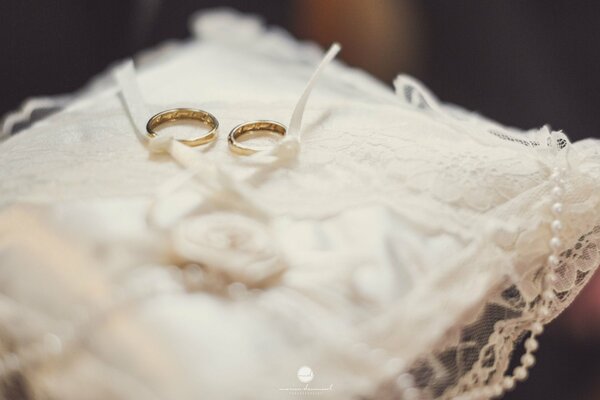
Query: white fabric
[[399, 221]]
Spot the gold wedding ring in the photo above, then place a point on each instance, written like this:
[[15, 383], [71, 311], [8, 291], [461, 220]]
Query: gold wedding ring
[[185, 114], [252, 127]]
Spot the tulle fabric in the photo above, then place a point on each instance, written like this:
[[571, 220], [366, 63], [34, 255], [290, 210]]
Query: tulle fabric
[[415, 228]]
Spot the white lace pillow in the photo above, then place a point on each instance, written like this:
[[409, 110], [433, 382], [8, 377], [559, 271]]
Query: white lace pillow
[[403, 250]]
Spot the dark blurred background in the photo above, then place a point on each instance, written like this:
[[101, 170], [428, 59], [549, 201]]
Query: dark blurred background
[[523, 63]]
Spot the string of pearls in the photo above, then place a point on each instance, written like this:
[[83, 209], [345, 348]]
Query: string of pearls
[[405, 382], [542, 311]]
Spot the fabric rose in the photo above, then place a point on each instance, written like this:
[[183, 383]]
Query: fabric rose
[[237, 246]]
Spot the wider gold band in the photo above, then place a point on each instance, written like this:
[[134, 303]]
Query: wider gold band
[[190, 114], [250, 127]]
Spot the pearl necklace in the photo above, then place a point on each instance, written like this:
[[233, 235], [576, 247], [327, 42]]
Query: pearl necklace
[[405, 382], [542, 310]]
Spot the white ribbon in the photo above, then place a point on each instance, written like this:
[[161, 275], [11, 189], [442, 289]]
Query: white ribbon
[[289, 147], [210, 176]]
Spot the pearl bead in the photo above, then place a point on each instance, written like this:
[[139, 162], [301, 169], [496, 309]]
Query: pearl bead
[[543, 311], [557, 192], [508, 383], [527, 360], [487, 392], [551, 277], [531, 344], [497, 390], [553, 260], [556, 226], [520, 373], [548, 295], [557, 208], [555, 243], [537, 328]]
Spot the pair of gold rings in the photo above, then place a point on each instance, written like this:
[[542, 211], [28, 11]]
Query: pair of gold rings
[[209, 120]]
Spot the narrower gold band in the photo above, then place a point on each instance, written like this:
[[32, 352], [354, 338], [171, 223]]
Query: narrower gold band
[[249, 127]]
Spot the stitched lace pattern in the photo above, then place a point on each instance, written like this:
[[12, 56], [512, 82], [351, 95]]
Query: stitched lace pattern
[[381, 183], [480, 353]]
